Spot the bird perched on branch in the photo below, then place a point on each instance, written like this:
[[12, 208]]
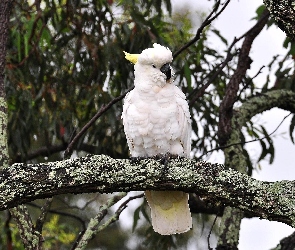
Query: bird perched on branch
[[157, 121]]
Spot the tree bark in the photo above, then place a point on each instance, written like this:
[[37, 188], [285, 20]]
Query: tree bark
[[231, 220], [99, 173], [283, 12], [5, 7], [287, 243]]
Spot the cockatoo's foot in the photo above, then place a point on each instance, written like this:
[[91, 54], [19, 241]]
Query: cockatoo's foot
[[135, 160], [164, 159]]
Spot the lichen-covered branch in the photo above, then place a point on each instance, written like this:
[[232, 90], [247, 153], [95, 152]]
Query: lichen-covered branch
[[32, 239], [234, 154], [284, 99], [286, 243], [94, 225], [5, 7], [283, 13], [100, 173]]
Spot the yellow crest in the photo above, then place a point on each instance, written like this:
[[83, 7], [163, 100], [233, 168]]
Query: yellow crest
[[131, 57]]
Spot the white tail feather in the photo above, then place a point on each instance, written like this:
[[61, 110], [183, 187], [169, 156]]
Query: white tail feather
[[170, 211]]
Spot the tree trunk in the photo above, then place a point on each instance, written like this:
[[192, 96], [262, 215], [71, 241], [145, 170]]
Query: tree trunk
[[5, 7]]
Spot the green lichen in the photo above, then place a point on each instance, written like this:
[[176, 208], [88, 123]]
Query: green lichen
[[4, 157]]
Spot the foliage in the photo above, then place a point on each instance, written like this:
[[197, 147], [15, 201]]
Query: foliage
[[65, 61], [57, 236]]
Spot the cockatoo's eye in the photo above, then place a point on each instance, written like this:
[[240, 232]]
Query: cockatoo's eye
[[153, 65]]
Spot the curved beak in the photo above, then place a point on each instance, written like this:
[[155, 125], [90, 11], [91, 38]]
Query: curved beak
[[166, 69]]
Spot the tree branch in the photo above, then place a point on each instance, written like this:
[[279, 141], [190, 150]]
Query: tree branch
[[270, 200], [287, 243], [94, 225], [31, 238], [232, 87], [230, 224]]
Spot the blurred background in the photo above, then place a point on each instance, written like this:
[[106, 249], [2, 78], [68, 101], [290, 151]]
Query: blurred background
[[65, 61]]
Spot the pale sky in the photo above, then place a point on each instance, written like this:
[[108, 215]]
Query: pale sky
[[235, 21]]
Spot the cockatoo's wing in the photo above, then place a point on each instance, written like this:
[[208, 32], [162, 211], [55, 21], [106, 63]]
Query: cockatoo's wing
[[184, 121], [126, 106]]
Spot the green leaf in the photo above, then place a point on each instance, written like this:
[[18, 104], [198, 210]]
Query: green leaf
[[264, 151], [286, 42], [222, 38], [291, 128], [188, 75], [292, 49], [260, 10], [136, 217]]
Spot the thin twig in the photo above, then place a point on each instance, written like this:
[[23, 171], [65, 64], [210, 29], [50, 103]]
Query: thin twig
[[248, 82], [53, 211], [243, 143], [101, 111], [200, 92], [67, 206], [229, 56], [124, 204], [208, 238], [41, 219], [206, 22]]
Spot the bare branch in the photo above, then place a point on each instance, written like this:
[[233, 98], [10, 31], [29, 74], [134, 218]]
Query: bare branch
[[243, 143], [200, 92], [232, 87], [41, 219]]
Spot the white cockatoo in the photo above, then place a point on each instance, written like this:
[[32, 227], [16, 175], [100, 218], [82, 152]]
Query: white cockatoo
[[157, 121]]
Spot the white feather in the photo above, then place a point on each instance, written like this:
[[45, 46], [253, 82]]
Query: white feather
[[156, 121]]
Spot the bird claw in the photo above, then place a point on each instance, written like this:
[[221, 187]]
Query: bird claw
[[164, 160], [136, 160]]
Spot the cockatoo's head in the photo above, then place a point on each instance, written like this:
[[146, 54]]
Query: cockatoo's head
[[152, 66]]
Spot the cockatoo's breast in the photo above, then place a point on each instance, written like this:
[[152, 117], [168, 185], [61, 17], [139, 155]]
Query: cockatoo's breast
[[151, 121]]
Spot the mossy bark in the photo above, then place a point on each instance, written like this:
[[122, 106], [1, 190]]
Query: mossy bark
[[283, 12], [99, 173]]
